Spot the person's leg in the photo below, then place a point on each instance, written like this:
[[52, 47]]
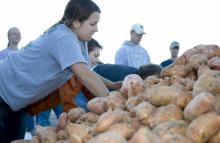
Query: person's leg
[[81, 100], [58, 110], [43, 118], [30, 123], [11, 124]]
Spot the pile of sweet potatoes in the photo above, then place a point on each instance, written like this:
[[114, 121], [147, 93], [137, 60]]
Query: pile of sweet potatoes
[[182, 105]]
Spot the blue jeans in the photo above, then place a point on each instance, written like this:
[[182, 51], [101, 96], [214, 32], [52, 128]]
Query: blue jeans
[[43, 118], [29, 122], [81, 100], [12, 126]]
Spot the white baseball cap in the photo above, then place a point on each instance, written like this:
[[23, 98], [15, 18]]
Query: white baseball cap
[[138, 28]]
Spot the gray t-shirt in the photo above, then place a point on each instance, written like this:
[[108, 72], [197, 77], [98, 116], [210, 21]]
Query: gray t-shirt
[[6, 52], [131, 54], [40, 67]]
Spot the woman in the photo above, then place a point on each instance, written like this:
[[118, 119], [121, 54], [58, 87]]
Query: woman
[[47, 63], [14, 37]]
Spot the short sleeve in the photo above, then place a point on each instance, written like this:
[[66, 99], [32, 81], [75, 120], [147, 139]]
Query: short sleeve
[[69, 52]]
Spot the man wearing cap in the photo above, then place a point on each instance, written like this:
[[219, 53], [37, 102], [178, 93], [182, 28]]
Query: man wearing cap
[[174, 50], [131, 53]]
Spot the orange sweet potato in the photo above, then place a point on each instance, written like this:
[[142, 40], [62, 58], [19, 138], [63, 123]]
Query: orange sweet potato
[[161, 95], [215, 138], [166, 113], [78, 133], [182, 100], [204, 127], [175, 138], [108, 137], [209, 81], [214, 63], [143, 111], [75, 113], [144, 135], [132, 85], [98, 105], [107, 119], [199, 105], [170, 127]]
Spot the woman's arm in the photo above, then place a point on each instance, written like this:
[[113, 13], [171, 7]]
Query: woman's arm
[[90, 79], [110, 85]]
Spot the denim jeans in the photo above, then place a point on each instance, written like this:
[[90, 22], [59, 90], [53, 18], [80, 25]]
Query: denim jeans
[[81, 101], [12, 126], [29, 122], [43, 118]]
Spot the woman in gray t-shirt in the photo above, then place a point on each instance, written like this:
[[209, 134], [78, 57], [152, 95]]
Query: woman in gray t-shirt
[[46, 63]]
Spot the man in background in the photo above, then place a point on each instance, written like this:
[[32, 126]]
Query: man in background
[[131, 53], [174, 50]]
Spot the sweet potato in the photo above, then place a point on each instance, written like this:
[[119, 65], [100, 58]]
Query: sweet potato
[[35, 139], [115, 100], [46, 134], [78, 133], [202, 69], [61, 135], [204, 127], [108, 137], [62, 121], [133, 123], [209, 81], [161, 95], [98, 105], [132, 85], [197, 59], [107, 119], [144, 135], [214, 63], [177, 70], [175, 138], [182, 100], [62, 141], [166, 113], [216, 103], [210, 51], [151, 80], [124, 129], [133, 101], [170, 127], [215, 138], [187, 83], [89, 117], [199, 105], [143, 110], [75, 113]]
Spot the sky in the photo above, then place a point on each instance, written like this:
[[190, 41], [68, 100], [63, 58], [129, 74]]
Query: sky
[[190, 22]]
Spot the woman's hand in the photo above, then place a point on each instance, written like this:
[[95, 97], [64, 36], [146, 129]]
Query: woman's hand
[[116, 85]]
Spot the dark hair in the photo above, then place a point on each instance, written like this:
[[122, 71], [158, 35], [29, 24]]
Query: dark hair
[[149, 69], [93, 44], [77, 10]]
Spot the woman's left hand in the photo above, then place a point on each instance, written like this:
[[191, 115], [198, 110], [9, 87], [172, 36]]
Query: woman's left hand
[[116, 85]]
